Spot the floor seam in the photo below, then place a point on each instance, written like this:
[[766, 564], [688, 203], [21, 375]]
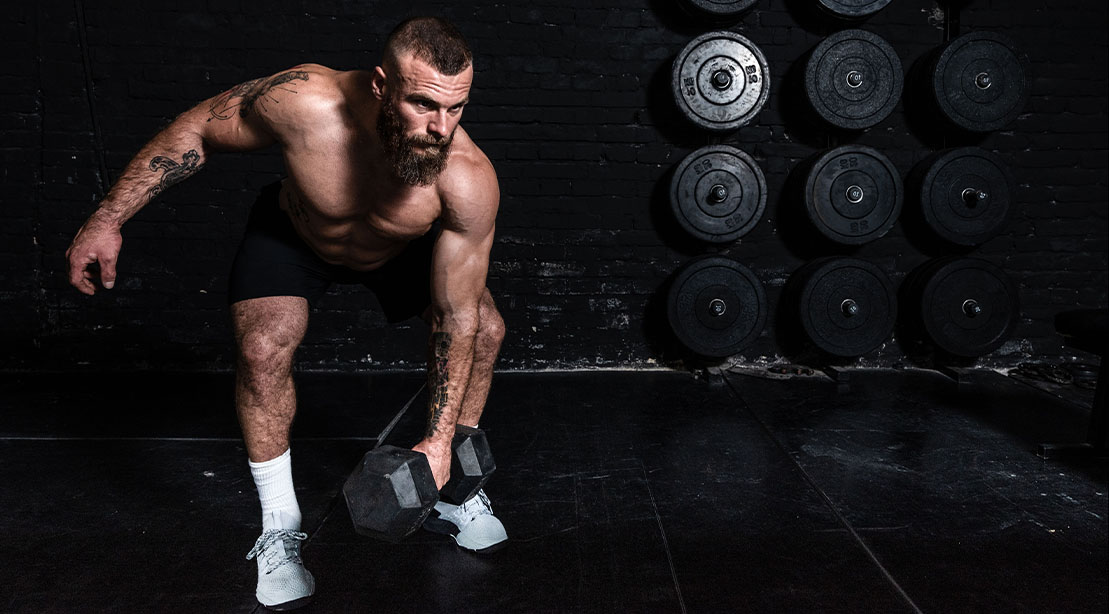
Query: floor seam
[[824, 497], [665, 541]]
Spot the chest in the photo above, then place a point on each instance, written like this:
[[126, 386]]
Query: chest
[[345, 191]]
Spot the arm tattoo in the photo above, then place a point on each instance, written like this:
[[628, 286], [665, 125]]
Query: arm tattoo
[[174, 172], [244, 95], [437, 379]]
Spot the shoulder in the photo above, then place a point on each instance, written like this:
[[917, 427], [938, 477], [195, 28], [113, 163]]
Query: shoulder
[[468, 186], [291, 94]]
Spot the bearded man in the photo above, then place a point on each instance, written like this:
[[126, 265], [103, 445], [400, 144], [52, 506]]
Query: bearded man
[[383, 188]]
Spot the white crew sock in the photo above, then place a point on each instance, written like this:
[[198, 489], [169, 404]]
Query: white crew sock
[[274, 480]]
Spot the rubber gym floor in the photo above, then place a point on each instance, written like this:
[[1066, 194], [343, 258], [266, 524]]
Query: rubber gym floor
[[621, 492]]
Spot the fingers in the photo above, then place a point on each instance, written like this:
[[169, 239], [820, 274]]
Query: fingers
[[82, 272], [108, 272], [79, 274], [93, 255]]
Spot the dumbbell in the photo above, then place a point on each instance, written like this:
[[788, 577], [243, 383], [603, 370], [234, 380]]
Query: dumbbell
[[392, 490]]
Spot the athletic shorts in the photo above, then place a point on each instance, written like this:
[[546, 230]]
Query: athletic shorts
[[274, 261]]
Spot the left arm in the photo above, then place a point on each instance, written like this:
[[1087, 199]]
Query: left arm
[[460, 263]]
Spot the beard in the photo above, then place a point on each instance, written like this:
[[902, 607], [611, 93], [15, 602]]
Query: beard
[[413, 162]]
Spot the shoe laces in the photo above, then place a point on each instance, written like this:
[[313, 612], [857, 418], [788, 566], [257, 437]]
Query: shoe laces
[[289, 539], [475, 506]]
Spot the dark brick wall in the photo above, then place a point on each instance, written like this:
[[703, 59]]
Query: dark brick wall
[[571, 102]]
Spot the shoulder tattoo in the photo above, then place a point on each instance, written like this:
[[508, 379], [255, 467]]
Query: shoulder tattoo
[[245, 95]]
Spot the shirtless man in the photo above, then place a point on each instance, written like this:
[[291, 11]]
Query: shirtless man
[[383, 188]]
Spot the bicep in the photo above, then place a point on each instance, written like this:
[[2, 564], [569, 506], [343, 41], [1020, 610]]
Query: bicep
[[460, 264], [233, 133]]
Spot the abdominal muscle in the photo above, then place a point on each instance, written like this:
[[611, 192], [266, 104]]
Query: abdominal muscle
[[361, 241]]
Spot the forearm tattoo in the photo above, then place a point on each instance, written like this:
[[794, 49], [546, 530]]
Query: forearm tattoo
[[173, 171], [244, 95], [437, 379]]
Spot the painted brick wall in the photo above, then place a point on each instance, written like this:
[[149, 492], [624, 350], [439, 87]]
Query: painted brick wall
[[571, 102]]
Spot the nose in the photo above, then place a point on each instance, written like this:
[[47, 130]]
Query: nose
[[437, 127]]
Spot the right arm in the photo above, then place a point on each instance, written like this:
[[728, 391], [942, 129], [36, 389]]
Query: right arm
[[246, 117]]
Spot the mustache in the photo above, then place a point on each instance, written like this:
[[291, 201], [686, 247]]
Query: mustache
[[430, 141]]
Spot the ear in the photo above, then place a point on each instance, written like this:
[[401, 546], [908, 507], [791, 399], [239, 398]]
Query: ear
[[378, 83]]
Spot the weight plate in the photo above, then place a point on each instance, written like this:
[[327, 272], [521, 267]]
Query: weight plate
[[720, 81], [853, 79], [852, 9], [968, 306], [847, 306], [718, 193], [966, 195], [716, 306], [978, 82], [853, 194], [720, 8]]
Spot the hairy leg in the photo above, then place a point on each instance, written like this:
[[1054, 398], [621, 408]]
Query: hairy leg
[[267, 333]]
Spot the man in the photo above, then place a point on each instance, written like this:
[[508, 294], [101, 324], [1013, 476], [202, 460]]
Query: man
[[384, 189]]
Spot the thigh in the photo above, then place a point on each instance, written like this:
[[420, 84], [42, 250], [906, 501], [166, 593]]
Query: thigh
[[269, 327]]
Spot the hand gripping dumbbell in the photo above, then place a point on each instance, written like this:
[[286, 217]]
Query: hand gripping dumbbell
[[392, 490]]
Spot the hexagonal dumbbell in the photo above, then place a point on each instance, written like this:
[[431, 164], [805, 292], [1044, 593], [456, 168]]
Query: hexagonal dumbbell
[[392, 490], [390, 493]]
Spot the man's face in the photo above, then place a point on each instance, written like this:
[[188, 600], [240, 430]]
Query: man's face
[[420, 110]]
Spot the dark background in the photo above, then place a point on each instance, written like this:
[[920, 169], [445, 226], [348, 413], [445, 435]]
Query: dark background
[[571, 102]]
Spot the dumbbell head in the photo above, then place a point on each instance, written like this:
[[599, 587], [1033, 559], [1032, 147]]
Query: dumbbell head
[[390, 493], [471, 464]]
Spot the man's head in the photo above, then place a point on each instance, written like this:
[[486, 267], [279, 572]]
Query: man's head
[[423, 84]]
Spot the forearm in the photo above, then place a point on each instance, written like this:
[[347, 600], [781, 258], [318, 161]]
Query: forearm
[[174, 154], [450, 358]]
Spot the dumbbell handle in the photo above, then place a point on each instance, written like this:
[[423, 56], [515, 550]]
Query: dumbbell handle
[[471, 464]]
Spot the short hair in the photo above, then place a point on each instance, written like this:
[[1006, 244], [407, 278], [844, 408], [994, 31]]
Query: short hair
[[433, 40]]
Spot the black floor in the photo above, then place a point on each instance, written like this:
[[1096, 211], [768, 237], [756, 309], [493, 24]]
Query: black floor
[[622, 492]]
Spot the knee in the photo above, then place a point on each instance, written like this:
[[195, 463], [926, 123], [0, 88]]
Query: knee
[[264, 353], [491, 328]]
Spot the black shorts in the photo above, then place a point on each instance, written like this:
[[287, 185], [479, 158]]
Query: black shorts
[[274, 261]]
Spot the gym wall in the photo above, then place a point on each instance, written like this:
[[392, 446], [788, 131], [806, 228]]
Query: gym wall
[[572, 101]]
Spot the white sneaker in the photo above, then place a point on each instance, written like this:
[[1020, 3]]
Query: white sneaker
[[472, 524], [283, 582]]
